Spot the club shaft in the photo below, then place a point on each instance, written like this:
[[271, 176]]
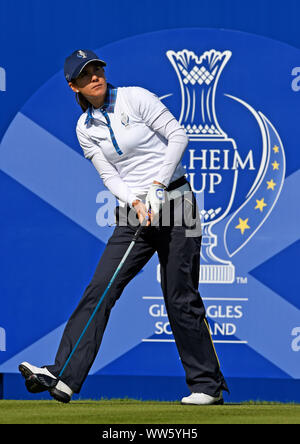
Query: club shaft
[[136, 235]]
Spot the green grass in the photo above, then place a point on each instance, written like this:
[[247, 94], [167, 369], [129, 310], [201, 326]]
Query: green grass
[[145, 412]]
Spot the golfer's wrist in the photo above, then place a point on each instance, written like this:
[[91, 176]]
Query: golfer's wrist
[[159, 183], [135, 202]]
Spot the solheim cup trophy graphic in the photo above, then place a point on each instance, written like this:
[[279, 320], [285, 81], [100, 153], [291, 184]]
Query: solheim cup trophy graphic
[[211, 151]]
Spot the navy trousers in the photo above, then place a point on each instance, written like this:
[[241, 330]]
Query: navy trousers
[[179, 256]]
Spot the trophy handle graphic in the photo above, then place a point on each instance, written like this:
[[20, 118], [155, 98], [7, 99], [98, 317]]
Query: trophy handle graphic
[[265, 190]]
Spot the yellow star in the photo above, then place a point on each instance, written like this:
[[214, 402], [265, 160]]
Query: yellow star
[[276, 149], [260, 204], [275, 165], [271, 184], [243, 225]]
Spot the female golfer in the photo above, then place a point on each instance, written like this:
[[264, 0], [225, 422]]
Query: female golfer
[[136, 145]]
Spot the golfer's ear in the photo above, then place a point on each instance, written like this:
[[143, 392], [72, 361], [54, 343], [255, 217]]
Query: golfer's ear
[[73, 87]]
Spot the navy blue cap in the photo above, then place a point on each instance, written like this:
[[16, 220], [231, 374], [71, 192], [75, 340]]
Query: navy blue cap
[[75, 63]]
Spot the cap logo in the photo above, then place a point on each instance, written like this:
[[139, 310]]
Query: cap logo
[[81, 54]]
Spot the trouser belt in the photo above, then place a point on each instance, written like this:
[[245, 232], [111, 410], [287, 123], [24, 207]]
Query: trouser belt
[[177, 183]]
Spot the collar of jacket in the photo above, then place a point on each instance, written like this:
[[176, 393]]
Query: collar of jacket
[[108, 106]]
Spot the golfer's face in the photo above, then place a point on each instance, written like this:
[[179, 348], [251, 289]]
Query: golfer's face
[[91, 81]]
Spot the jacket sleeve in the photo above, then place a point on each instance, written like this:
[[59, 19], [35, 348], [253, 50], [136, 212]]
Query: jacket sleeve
[[157, 116], [167, 126]]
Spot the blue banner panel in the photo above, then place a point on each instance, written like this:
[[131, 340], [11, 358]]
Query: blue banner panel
[[236, 96]]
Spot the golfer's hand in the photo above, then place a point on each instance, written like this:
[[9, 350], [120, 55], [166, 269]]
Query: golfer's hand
[[141, 210], [155, 198]]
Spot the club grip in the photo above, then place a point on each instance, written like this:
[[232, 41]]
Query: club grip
[[138, 231]]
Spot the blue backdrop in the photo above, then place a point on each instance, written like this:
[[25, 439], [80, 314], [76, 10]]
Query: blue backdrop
[[228, 70]]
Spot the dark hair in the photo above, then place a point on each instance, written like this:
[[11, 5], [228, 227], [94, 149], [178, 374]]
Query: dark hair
[[82, 101]]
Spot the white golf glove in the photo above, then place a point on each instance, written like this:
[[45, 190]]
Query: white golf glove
[[156, 197]]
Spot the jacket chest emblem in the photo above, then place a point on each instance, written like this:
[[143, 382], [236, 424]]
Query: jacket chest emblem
[[124, 119]]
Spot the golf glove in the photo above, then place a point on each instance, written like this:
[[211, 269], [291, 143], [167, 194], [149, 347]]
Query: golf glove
[[156, 197]]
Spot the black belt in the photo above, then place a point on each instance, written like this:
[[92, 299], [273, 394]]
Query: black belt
[[177, 183]]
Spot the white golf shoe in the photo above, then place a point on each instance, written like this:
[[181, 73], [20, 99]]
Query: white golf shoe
[[37, 379], [202, 399], [61, 392]]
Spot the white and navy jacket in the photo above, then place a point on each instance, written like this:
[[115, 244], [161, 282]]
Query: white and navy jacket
[[132, 141]]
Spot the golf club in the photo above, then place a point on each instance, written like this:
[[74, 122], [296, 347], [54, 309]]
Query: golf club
[[135, 237]]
